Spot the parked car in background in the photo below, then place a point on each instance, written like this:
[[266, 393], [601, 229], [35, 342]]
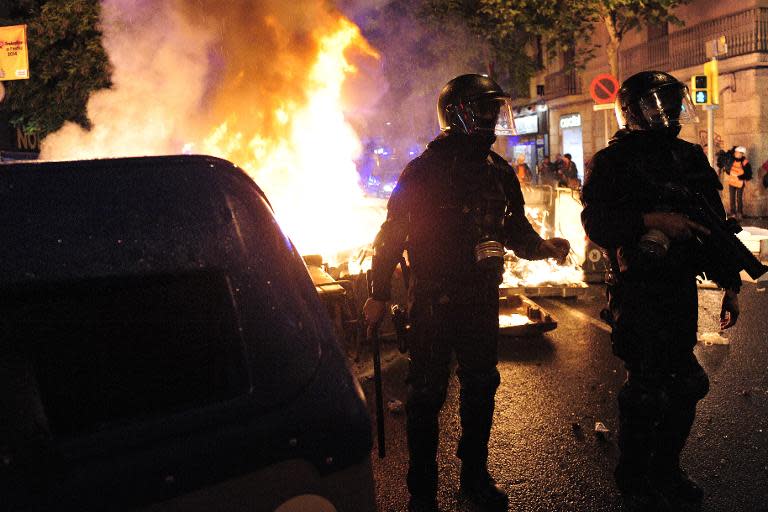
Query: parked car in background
[[163, 347]]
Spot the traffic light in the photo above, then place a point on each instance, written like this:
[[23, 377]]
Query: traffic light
[[700, 90], [711, 71]]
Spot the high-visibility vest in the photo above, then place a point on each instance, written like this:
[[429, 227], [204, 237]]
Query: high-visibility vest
[[737, 169]]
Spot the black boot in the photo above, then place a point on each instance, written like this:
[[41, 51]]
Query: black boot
[[640, 494], [480, 488], [678, 486], [422, 504]]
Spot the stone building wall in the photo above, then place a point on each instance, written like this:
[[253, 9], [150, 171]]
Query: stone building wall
[[742, 118]]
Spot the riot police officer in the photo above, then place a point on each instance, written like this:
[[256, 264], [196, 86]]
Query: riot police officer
[[454, 209], [655, 256]]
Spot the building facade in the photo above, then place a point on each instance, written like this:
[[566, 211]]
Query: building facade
[[741, 119]]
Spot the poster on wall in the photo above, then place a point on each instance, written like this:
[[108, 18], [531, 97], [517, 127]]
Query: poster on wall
[[14, 59]]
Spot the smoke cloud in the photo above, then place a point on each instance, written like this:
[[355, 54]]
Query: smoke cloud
[[183, 66], [418, 59], [160, 66]]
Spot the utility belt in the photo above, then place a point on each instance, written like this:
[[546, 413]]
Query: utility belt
[[475, 289], [639, 267]]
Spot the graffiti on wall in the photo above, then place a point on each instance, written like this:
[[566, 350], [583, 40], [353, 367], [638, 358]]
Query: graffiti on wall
[[703, 141]]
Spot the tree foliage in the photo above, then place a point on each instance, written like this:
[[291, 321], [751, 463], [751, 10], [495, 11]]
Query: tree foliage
[[67, 63], [504, 38], [619, 17], [418, 56], [562, 24]]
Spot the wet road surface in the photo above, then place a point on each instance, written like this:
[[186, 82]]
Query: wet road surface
[[544, 451]]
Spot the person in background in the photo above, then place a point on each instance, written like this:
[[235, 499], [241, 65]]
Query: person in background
[[764, 167], [737, 174], [569, 174], [522, 171], [723, 160], [557, 165], [546, 172]]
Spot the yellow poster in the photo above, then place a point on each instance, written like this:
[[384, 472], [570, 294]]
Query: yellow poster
[[14, 60]]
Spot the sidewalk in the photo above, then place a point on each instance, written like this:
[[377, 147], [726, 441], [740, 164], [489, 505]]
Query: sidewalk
[[758, 222], [754, 231]]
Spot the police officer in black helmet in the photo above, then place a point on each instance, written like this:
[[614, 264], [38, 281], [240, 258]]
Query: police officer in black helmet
[[455, 208], [652, 289]]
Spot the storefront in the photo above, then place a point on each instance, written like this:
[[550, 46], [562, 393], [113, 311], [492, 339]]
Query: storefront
[[571, 140], [532, 139]]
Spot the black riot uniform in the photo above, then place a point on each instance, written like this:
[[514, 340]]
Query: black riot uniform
[[652, 298], [450, 206]]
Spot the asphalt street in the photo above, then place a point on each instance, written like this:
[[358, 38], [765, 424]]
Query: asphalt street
[[544, 449]]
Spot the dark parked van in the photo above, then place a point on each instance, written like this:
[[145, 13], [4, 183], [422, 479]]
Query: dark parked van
[[162, 347]]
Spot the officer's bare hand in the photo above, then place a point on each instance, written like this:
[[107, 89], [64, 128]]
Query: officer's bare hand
[[557, 248], [729, 312], [674, 225], [374, 311]]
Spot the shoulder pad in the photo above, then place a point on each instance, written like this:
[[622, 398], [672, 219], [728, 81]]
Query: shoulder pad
[[500, 162]]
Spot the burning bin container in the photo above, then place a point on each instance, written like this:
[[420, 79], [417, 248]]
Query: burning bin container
[[342, 303], [164, 348]]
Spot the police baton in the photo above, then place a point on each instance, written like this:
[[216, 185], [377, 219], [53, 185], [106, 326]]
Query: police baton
[[373, 338]]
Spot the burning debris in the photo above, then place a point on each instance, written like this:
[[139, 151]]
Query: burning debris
[[269, 86], [520, 316], [552, 212], [266, 85]]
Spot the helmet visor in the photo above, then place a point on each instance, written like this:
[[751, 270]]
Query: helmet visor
[[667, 106], [493, 116]]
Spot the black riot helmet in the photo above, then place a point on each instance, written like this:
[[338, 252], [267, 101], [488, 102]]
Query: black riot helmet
[[654, 100], [475, 105]]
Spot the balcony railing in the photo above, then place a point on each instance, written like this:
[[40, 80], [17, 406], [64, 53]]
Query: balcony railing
[[562, 83], [745, 32]]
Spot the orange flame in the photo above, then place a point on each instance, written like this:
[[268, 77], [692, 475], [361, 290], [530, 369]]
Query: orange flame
[[567, 224], [308, 169]]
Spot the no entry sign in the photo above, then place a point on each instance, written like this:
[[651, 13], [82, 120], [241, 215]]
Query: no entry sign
[[604, 88]]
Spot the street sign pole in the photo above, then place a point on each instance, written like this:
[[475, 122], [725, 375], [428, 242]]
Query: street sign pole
[[713, 49], [603, 89], [605, 107], [711, 132]]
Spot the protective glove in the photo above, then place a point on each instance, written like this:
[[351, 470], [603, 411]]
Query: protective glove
[[557, 248], [729, 312]]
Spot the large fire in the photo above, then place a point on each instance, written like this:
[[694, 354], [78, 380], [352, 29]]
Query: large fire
[[267, 86], [260, 84], [308, 171], [565, 224]]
